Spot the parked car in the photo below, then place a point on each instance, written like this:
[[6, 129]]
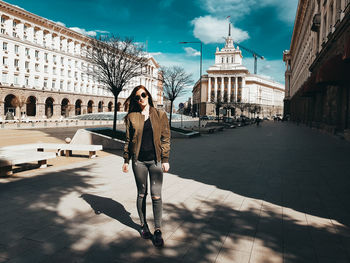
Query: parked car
[[204, 117], [228, 119]]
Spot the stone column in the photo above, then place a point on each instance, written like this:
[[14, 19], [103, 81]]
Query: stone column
[[83, 109], [236, 88], [222, 89], [40, 110], [56, 111], [229, 90], [216, 89], [243, 88], [209, 89], [2, 113]]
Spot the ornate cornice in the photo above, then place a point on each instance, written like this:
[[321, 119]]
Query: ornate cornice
[[298, 23], [37, 20]]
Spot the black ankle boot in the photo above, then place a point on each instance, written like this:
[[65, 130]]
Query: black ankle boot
[[157, 238]]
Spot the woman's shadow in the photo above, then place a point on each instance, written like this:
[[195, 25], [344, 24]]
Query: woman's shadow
[[110, 208]]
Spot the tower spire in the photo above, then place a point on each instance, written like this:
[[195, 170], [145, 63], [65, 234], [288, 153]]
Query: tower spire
[[229, 25]]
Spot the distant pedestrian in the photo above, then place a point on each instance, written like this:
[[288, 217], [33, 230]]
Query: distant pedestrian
[[257, 121], [148, 145]]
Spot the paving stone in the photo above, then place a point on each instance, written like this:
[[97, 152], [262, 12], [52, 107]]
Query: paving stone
[[239, 196]]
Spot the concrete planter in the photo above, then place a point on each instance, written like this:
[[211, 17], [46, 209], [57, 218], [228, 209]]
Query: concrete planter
[[90, 136]]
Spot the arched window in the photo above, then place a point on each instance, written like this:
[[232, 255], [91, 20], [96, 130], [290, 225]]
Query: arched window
[[31, 106]]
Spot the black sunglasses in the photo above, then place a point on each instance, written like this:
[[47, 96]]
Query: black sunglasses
[[143, 95]]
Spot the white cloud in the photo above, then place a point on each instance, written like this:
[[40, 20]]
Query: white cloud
[[240, 8], [91, 33], [60, 23], [102, 31], [153, 54], [83, 31], [271, 69], [192, 52], [213, 30]]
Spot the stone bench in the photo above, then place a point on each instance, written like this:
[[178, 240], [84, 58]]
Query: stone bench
[[61, 149], [10, 158]]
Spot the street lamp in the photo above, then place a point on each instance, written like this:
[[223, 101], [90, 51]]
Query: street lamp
[[200, 81]]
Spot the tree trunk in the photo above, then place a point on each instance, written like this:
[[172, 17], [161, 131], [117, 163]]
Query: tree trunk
[[115, 113], [171, 112]]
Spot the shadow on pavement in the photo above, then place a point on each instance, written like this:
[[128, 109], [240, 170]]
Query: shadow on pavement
[[288, 170], [281, 163], [110, 208]]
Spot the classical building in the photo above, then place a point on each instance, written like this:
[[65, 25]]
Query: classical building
[[42, 70], [318, 65], [228, 81]]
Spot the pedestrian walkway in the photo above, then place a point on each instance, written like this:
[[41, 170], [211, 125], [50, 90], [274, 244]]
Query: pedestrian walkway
[[273, 193]]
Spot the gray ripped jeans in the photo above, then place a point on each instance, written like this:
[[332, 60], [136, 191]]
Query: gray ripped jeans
[[141, 170]]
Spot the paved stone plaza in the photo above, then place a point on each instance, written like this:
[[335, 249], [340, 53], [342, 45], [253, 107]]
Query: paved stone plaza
[[275, 193]]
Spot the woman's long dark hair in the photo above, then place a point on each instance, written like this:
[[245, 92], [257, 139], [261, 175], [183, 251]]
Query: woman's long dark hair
[[133, 104]]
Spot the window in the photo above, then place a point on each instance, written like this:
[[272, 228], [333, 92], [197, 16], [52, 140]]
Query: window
[[16, 49], [54, 70], [27, 51], [53, 84], [15, 80], [54, 58], [4, 61], [76, 64], [4, 46], [36, 53], [14, 23], [46, 68], [46, 56], [25, 27], [69, 74], [36, 81], [69, 62], [62, 72], [26, 65], [3, 19], [4, 78], [45, 83], [61, 60], [37, 67], [61, 84], [2, 31], [16, 62], [27, 80], [75, 74], [14, 34]]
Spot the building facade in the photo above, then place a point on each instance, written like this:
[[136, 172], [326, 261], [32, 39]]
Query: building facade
[[42, 70], [318, 65], [228, 81]]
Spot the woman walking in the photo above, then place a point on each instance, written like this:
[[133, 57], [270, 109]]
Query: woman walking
[[148, 145]]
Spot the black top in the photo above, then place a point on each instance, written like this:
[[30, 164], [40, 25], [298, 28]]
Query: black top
[[147, 152]]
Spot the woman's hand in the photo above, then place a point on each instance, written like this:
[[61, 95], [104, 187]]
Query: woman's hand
[[165, 167], [125, 167]]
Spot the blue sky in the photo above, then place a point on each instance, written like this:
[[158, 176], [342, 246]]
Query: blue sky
[[262, 25]]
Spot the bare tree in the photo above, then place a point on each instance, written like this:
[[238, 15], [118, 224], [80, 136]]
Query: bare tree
[[19, 102], [241, 106], [175, 80], [218, 104], [115, 61]]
